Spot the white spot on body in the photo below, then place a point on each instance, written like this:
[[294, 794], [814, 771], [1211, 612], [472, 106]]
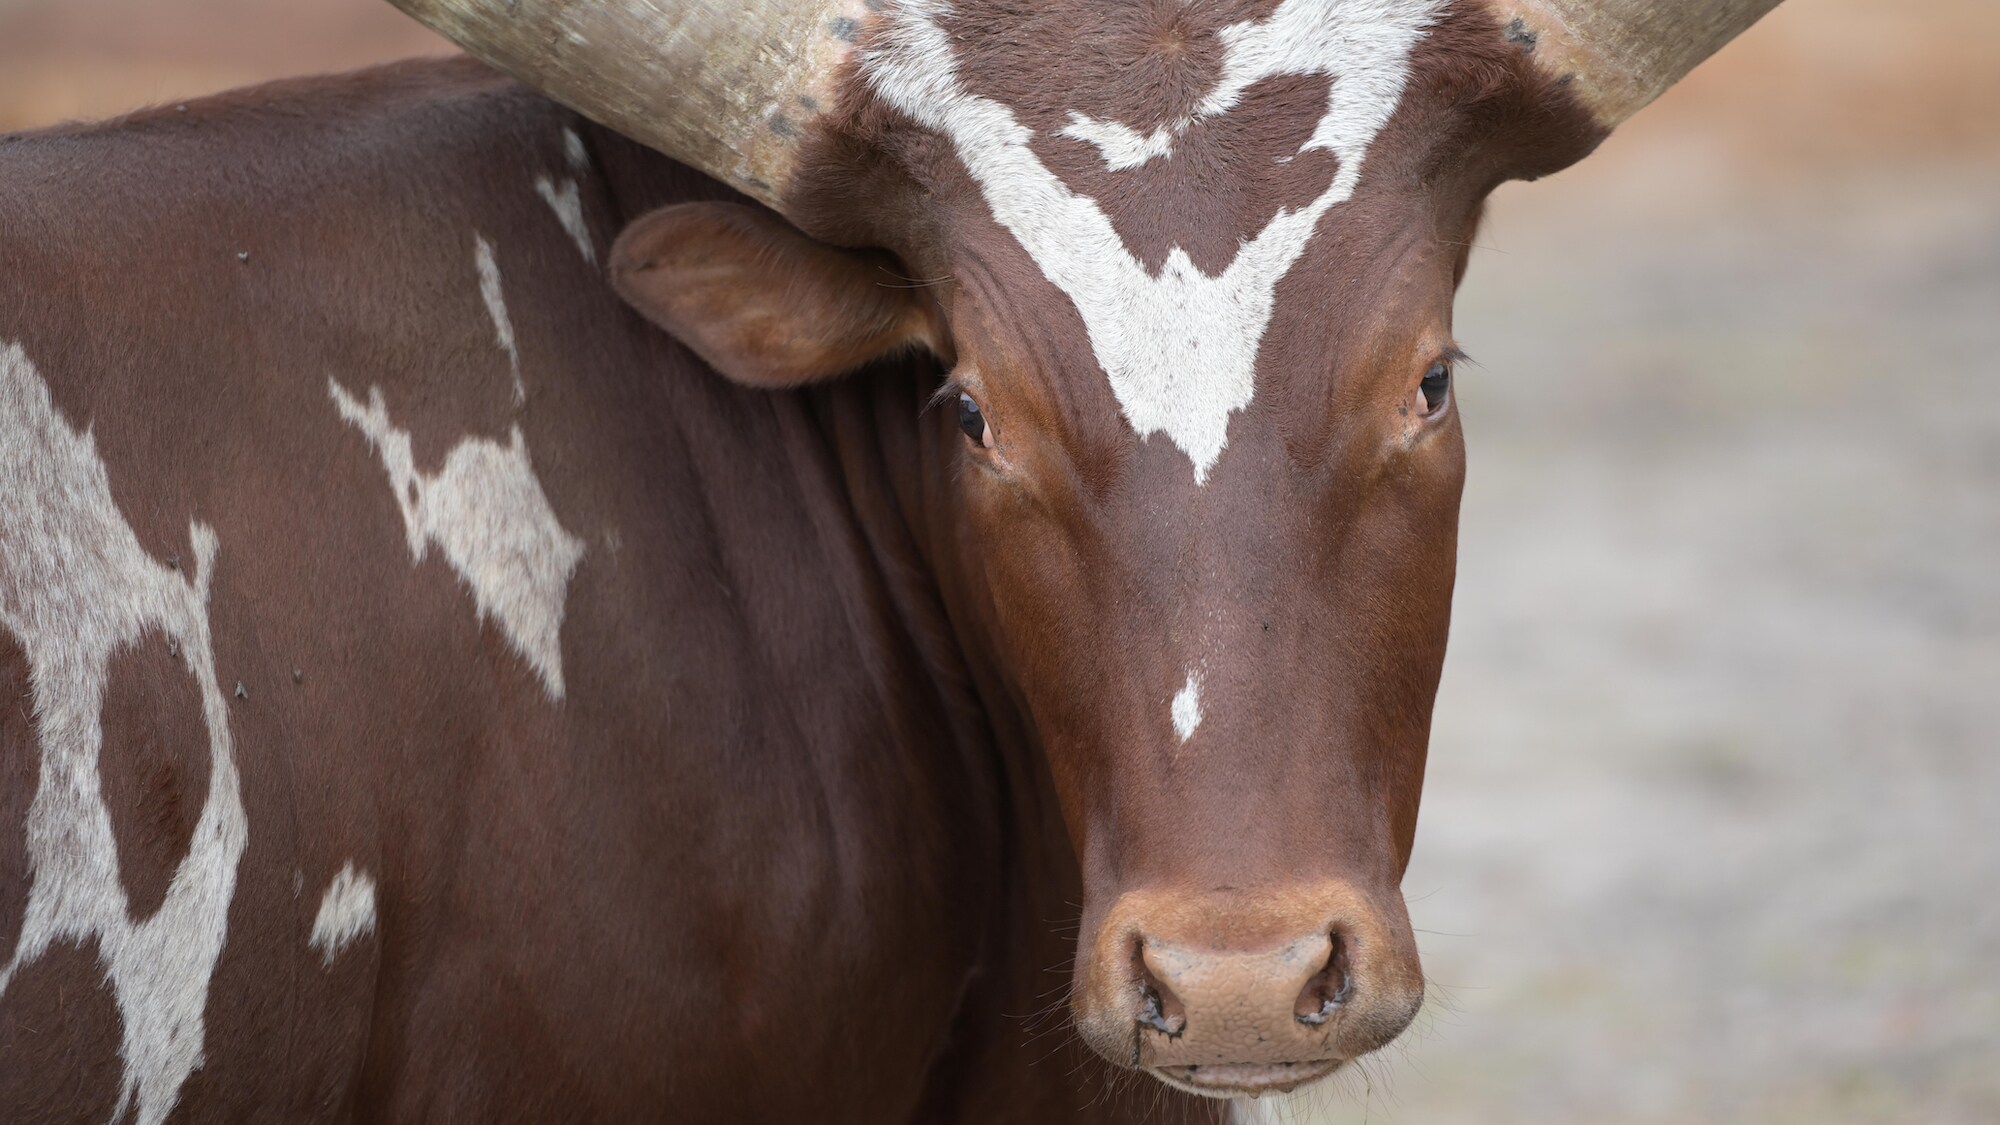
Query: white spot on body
[[75, 588], [346, 912], [566, 200], [1179, 347], [1186, 707], [487, 511], [496, 307]]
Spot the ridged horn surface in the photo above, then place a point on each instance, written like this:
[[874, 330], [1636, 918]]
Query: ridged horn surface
[[728, 88], [1621, 54]]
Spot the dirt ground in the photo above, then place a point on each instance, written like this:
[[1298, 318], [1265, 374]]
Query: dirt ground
[[1712, 830]]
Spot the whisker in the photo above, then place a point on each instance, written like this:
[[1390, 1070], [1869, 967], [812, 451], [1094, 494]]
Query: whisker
[[910, 282]]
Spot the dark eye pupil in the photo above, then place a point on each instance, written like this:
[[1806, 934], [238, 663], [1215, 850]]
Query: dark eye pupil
[[970, 420], [1437, 381]]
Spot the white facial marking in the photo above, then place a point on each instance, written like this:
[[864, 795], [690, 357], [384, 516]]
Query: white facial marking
[[496, 307], [1180, 347], [1121, 146], [75, 588], [346, 912], [1187, 707], [566, 200], [488, 512], [574, 152]]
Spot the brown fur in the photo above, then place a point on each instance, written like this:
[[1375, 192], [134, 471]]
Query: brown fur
[[154, 767], [59, 1040], [20, 772]]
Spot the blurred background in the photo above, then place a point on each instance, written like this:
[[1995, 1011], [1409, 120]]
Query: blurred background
[[1712, 830]]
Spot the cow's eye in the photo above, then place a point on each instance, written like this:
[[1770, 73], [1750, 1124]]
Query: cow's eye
[[1436, 387], [972, 422]]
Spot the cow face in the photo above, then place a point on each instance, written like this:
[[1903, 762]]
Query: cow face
[[1192, 268]]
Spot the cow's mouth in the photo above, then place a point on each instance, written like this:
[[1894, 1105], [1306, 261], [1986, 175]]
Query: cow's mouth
[[1232, 1080]]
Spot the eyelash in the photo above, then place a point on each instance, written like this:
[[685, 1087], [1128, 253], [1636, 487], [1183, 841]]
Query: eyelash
[[946, 394]]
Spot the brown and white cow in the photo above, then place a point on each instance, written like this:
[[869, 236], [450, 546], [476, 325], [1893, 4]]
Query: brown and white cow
[[431, 693]]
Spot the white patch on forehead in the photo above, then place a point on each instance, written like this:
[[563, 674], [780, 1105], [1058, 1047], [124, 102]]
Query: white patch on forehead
[[574, 152], [1186, 709], [566, 200], [1179, 347], [496, 307], [76, 587], [1121, 145], [346, 912], [488, 512]]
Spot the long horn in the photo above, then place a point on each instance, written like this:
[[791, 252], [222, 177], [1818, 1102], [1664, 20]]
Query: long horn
[[1621, 54], [726, 86]]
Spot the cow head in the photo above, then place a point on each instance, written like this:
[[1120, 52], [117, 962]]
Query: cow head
[[1191, 268]]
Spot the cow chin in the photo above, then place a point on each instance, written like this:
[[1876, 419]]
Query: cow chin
[[1241, 1080], [1231, 993]]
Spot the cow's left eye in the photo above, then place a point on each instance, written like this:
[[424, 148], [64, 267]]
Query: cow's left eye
[[1436, 387]]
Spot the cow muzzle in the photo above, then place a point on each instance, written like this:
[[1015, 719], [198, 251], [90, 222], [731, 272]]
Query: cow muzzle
[[1231, 993]]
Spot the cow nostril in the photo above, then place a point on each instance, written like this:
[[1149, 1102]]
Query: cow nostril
[[1154, 1015], [1328, 989], [1159, 1008]]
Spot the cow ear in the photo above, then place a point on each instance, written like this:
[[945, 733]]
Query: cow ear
[[762, 303]]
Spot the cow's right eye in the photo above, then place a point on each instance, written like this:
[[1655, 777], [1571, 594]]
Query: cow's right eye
[[1436, 385], [972, 422]]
